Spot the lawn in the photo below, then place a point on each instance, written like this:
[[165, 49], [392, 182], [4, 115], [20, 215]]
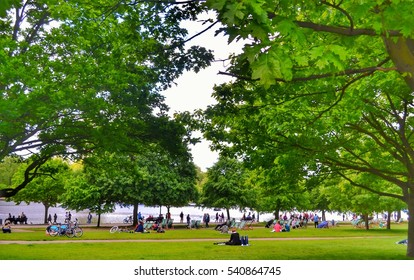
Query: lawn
[[339, 243]]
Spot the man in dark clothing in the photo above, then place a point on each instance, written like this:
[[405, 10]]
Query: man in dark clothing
[[234, 238]]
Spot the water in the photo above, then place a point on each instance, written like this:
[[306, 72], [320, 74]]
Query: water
[[35, 213]]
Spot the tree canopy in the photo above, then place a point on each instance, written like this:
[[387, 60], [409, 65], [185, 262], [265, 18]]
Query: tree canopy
[[322, 87], [82, 75], [227, 186]]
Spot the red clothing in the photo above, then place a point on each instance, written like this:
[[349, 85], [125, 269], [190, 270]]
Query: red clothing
[[277, 227]]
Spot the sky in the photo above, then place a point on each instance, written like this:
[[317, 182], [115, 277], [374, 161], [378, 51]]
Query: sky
[[193, 90]]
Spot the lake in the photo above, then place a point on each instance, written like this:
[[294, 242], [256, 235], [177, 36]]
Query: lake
[[35, 213]]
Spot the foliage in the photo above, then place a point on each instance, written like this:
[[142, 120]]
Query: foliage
[[8, 167], [84, 74], [227, 186], [47, 187], [321, 86], [152, 178]]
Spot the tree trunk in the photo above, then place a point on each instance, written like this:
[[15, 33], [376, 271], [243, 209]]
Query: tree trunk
[[401, 52], [135, 214], [410, 246], [389, 219], [323, 215], [228, 213], [366, 220], [277, 214], [99, 219], [46, 213]]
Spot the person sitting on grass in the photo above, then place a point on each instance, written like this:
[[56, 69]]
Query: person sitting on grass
[[140, 228], [234, 239], [286, 228], [269, 223], [219, 226], [277, 227], [324, 224], [7, 227]]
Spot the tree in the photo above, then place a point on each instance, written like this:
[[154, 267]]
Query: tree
[[227, 186], [88, 188], [48, 186], [81, 75], [171, 180], [331, 80]]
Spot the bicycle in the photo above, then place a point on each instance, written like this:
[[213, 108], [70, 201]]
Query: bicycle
[[77, 230], [60, 230], [70, 230], [118, 229], [128, 220]]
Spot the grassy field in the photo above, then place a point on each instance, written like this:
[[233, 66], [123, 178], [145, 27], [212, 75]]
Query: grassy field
[[339, 243]]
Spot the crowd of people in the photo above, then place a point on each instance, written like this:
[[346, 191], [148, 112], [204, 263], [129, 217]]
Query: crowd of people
[[20, 219]]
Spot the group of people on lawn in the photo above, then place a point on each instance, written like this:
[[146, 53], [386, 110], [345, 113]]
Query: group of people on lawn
[[156, 226]]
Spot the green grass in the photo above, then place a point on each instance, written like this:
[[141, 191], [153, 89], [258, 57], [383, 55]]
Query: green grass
[[340, 243]]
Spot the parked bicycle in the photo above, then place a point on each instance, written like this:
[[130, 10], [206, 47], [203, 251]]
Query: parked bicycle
[[70, 230], [59, 230], [115, 229], [77, 230], [128, 220]]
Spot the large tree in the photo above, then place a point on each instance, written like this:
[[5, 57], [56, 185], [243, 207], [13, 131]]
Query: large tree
[[327, 84], [85, 74], [227, 186], [47, 187]]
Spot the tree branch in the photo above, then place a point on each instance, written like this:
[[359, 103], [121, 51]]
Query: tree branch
[[320, 76], [351, 22], [346, 31], [370, 189]]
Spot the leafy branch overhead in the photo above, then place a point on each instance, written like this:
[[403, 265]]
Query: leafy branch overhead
[[322, 93], [291, 41], [81, 75]]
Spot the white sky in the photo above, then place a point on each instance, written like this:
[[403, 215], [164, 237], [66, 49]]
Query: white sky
[[193, 90]]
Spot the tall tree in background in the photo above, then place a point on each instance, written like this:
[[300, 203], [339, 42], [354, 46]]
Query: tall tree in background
[[152, 177], [328, 84], [84, 74], [171, 181], [227, 186]]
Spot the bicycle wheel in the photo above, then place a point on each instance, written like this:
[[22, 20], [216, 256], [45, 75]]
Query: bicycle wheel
[[78, 232], [53, 231], [114, 229], [70, 232]]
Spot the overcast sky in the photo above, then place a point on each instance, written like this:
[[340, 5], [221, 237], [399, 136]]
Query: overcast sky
[[193, 90]]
